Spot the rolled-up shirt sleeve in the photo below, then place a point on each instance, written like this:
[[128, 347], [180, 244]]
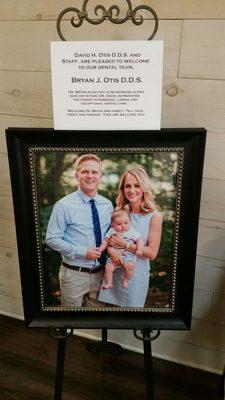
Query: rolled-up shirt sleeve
[[56, 229]]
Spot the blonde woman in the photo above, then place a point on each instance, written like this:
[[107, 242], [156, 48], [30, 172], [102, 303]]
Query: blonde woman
[[136, 196]]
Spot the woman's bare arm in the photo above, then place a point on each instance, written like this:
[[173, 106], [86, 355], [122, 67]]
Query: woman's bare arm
[[154, 237]]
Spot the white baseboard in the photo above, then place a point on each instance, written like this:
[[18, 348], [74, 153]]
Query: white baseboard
[[132, 348], [16, 316], [157, 355]]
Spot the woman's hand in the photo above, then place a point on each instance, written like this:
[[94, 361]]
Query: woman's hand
[[116, 260], [117, 241]]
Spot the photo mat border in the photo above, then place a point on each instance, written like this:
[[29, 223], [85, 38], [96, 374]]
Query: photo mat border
[[179, 150]]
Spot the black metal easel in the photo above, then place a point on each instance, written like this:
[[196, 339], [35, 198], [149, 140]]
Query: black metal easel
[[61, 334], [145, 335], [112, 14]]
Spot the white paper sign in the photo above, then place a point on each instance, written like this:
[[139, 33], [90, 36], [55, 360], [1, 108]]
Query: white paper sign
[[107, 85]]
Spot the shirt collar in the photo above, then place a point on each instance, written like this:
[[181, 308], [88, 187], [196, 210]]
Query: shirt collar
[[85, 197]]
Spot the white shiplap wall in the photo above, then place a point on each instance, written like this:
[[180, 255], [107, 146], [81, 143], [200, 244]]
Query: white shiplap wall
[[193, 96]]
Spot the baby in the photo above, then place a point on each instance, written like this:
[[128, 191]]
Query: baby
[[121, 223]]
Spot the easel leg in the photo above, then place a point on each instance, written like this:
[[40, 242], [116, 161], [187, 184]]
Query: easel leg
[[147, 338], [104, 336], [60, 369], [104, 348], [61, 334], [110, 347], [148, 364]]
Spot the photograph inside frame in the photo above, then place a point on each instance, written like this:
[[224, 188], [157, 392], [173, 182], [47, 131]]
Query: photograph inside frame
[[132, 263]]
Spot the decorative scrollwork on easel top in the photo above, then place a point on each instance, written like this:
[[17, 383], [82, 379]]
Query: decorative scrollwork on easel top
[[112, 14]]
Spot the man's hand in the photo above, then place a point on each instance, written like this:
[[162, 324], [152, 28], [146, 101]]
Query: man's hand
[[100, 249], [93, 254]]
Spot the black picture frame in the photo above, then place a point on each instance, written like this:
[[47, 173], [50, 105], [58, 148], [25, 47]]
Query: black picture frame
[[187, 143]]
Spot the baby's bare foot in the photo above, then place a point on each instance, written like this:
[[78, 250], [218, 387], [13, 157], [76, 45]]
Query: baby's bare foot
[[126, 284]]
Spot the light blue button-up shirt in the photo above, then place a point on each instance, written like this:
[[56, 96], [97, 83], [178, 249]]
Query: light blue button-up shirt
[[70, 228]]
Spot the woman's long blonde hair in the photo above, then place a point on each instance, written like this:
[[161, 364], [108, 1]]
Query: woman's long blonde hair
[[142, 177]]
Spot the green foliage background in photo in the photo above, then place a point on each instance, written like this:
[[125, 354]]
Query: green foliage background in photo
[[55, 173]]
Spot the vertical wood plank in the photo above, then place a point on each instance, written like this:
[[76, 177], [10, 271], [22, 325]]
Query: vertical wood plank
[[203, 42]]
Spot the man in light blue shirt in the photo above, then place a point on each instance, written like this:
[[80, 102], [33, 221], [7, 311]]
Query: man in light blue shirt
[[71, 232]]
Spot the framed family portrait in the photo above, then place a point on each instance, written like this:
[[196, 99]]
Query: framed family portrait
[[107, 225]]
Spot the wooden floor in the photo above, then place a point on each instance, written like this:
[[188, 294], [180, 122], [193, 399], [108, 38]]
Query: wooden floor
[[27, 365]]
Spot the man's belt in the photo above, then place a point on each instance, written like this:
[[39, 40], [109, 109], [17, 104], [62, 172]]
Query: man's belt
[[83, 269]]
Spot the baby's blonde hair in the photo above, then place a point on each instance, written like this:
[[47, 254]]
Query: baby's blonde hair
[[118, 213]]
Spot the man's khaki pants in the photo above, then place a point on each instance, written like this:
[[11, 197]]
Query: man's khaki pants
[[79, 288]]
